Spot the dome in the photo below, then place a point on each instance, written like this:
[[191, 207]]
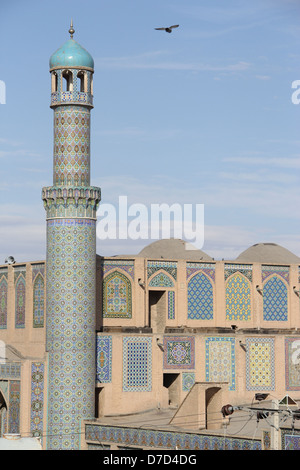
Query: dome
[[71, 54], [173, 248], [267, 253]]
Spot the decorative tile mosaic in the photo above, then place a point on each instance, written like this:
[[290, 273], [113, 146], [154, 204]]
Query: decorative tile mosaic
[[161, 280], [10, 370], [282, 271], [275, 300], [166, 439], [38, 273], [220, 360], [200, 298], [3, 421], [14, 406], [171, 305], [292, 363], [207, 268], [188, 380], [179, 352], [3, 298], [169, 266], [110, 265], [290, 439], [266, 439], [71, 146], [137, 364], [70, 339], [117, 296], [260, 365], [20, 296], [103, 358], [37, 399], [238, 298], [245, 269]]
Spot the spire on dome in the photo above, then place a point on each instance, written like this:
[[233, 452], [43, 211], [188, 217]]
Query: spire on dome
[[71, 30]]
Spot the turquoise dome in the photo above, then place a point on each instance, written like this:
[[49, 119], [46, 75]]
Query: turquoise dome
[[71, 54]]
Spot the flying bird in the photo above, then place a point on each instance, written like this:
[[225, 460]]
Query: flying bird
[[169, 29]]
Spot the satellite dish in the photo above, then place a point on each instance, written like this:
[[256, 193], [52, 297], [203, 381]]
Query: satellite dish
[[10, 260]]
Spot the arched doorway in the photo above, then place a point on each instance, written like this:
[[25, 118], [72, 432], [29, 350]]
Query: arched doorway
[[213, 404], [3, 415]]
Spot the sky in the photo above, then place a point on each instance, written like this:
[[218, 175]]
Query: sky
[[203, 116]]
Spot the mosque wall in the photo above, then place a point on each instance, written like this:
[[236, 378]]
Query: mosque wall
[[161, 327]]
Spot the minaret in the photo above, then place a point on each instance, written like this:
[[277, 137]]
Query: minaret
[[71, 205]]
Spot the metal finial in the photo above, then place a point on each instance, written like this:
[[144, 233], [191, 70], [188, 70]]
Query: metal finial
[[71, 30]]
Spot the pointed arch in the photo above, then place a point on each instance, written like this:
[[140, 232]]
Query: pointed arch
[[161, 279], [275, 299], [117, 296], [3, 408], [3, 302], [20, 294], [67, 82], [238, 297], [200, 297], [38, 301]]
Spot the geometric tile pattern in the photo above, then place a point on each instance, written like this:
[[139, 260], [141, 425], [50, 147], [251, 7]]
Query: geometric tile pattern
[[38, 297], [117, 297], [70, 339], [171, 305], [160, 439], [179, 352], [127, 266], [200, 298], [103, 358], [10, 370], [3, 298], [275, 304], [71, 146], [220, 360], [207, 268], [137, 364], [3, 419], [292, 363], [290, 440], [266, 440], [188, 380], [14, 406], [245, 269], [20, 297], [169, 266], [161, 280], [260, 367], [238, 298], [37, 399], [282, 271]]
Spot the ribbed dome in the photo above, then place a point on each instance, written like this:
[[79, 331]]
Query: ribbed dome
[[71, 54], [267, 253], [173, 248]]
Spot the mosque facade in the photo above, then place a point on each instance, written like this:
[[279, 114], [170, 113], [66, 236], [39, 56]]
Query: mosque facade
[[84, 337]]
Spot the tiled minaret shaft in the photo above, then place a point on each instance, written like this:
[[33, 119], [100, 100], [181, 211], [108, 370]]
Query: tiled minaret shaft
[[71, 205]]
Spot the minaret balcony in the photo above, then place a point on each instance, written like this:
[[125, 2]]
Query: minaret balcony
[[72, 97], [65, 202]]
